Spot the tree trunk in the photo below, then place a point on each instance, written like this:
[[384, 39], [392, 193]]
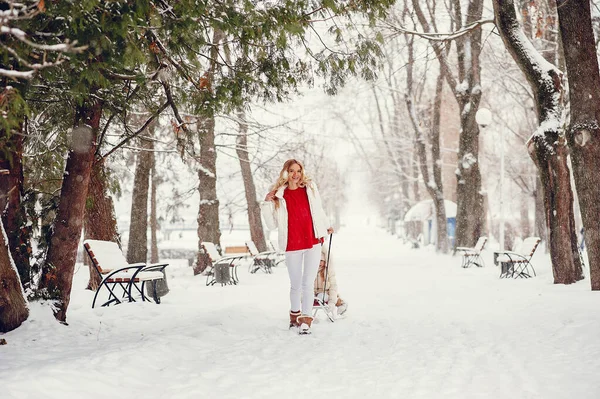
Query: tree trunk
[[13, 306], [100, 222], [208, 212], [469, 214], [137, 247], [153, 218], [524, 211], [57, 271], [547, 147], [434, 186], [256, 228], [11, 208], [436, 161], [583, 134], [541, 230]]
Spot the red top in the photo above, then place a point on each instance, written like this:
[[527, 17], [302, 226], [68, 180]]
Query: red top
[[301, 233]]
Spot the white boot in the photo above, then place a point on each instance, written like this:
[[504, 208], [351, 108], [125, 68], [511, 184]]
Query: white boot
[[333, 311], [342, 309], [305, 323]]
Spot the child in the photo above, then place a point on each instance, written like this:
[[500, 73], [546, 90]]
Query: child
[[331, 290]]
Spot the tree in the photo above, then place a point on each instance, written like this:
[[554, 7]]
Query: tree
[[547, 146], [433, 184], [137, 247], [13, 305], [100, 222], [579, 48], [59, 265], [12, 209], [466, 87], [26, 52], [254, 221]]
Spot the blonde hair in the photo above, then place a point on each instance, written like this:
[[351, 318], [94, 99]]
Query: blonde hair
[[283, 177]]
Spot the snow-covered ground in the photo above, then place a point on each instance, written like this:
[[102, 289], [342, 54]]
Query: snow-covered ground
[[418, 326]]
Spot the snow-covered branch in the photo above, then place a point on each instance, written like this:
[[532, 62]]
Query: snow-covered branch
[[18, 11], [439, 36]]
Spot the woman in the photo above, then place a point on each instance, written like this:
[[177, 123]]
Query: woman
[[294, 208]]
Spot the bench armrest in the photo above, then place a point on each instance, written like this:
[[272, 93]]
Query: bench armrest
[[228, 259], [155, 267], [467, 250], [509, 256]]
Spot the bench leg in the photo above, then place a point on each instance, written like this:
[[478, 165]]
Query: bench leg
[[112, 297]]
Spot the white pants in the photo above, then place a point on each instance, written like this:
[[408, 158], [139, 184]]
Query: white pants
[[303, 266]]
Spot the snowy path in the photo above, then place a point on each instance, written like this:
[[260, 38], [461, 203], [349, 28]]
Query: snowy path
[[418, 326]]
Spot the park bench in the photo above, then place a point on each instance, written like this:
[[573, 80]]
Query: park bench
[[517, 263], [472, 255], [118, 277], [260, 260], [223, 269]]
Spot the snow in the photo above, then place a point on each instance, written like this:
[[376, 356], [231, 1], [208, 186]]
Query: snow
[[468, 160], [425, 210], [418, 326], [12, 31], [462, 87]]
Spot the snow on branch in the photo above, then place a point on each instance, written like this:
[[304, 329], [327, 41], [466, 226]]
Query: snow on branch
[[17, 12], [440, 36]]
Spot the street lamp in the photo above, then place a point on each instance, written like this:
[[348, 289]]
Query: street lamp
[[484, 118]]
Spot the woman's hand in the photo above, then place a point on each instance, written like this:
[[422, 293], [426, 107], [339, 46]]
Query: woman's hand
[[330, 230], [270, 196]]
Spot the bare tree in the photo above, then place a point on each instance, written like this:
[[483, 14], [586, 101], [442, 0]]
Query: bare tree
[[254, 221], [547, 146], [433, 184], [137, 247], [466, 87], [582, 135], [154, 182]]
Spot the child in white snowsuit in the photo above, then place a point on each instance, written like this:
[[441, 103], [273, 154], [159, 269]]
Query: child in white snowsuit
[[331, 290]]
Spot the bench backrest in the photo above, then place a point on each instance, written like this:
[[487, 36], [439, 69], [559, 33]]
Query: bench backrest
[[211, 250], [252, 248], [480, 243], [239, 249], [529, 246], [106, 256]]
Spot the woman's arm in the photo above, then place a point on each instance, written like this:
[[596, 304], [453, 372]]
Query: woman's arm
[[267, 208], [321, 212]]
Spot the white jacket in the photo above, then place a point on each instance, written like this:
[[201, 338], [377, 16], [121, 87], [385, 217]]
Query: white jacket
[[278, 218]]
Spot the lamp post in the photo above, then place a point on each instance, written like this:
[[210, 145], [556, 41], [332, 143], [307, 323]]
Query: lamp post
[[484, 118]]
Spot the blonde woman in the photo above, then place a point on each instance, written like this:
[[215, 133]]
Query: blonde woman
[[294, 207]]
